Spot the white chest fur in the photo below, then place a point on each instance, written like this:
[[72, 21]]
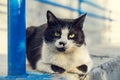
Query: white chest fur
[[68, 61]]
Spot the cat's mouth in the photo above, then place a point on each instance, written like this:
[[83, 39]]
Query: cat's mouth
[[63, 49]]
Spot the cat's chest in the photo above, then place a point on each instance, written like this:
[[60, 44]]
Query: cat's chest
[[67, 61]]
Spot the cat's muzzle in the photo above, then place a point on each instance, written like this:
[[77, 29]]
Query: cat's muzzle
[[63, 49]]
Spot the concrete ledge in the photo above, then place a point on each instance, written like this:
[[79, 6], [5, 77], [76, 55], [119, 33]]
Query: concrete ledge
[[107, 71], [30, 76]]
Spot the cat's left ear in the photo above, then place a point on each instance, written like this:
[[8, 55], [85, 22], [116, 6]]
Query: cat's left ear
[[51, 18], [79, 21]]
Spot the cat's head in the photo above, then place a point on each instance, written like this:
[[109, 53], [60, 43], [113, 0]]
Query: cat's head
[[64, 34]]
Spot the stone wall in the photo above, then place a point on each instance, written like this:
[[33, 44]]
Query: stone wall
[[107, 71]]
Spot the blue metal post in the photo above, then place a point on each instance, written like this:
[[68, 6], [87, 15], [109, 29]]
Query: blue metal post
[[16, 38]]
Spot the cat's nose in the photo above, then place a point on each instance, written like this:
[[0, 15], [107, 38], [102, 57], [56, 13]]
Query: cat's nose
[[62, 43]]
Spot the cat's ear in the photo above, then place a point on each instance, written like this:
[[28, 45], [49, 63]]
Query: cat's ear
[[51, 18], [79, 21]]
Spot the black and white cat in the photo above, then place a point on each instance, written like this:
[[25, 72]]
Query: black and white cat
[[59, 47]]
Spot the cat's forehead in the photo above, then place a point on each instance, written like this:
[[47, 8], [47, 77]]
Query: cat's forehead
[[61, 24], [66, 21], [69, 23], [65, 30]]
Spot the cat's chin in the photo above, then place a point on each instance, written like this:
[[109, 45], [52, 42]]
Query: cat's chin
[[63, 49]]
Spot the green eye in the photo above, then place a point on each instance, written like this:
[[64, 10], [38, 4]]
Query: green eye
[[57, 34], [71, 35]]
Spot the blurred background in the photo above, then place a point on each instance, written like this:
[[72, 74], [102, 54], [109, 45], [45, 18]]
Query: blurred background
[[101, 25]]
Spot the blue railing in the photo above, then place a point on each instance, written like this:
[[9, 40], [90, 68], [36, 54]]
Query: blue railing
[[78, 10], [94, 5], [16, 37]]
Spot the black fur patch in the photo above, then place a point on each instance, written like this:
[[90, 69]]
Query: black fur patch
[[83, 68], [34, 38], [57, 69]]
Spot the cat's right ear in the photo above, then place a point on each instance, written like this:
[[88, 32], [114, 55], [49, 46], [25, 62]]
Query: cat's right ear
[[51, 18]]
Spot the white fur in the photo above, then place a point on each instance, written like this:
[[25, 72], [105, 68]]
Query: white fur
[[63, 38], [70, 59]]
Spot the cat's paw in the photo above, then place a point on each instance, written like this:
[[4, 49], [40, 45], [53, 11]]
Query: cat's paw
[[44, 67], [81, 70]]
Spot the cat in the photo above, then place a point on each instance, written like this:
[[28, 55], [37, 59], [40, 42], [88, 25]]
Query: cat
[[58, 46]]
